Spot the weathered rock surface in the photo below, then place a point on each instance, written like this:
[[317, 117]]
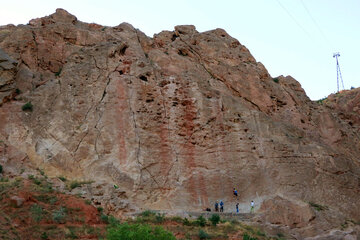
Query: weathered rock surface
[[284, 212], [176, 121]]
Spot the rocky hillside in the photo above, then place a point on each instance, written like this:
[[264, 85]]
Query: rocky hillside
[[174, 122]]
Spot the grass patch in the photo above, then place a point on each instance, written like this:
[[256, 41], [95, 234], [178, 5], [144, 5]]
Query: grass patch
[[36, 212], [59, 215], [177, 219], [46, 199], [71, 234], [138, 232], [147, 213], [246, 236]]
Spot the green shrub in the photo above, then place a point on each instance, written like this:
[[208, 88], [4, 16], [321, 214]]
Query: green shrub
[[75, 184], [276, 80], [318, 207], [159, 218], [41, 172], [36, 180], [246, 236], [203, 234], [201, 221], [44, 236], [62, 178], [59, 215], [186, 222], [177, 219], [260, 233], [100, 209], [36, 212], [320, 101], [104, 218], [214, 219], [46, 198], [147, 213], [138, 232], [4, 179], [58, 72], [88, 202], [280, 236], [71, 233], [27, 107], [113, 221]]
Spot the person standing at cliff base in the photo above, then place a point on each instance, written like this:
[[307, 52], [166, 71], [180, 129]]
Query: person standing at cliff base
[[216, 206], [237, 207], [252, 204], [221, 206]]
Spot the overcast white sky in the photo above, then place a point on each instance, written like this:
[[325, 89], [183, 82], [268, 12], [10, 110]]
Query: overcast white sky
[[290, 37]]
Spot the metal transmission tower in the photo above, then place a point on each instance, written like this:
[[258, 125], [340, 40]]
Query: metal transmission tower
[[338, 72]]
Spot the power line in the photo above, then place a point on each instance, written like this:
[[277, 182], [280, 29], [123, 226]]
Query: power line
[[294, 19], [313, 20]]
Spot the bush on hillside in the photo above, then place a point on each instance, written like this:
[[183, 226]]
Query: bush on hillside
[[27, 107], [138, 232], [214, 219], [201, 221], [203, 234]]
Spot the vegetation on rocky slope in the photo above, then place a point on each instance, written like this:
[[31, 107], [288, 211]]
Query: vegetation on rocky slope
[[32, 209]]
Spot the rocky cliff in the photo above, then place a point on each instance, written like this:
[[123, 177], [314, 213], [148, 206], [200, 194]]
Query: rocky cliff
[[175, 121]]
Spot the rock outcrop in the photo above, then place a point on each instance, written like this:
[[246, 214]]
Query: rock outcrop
[[176, 121]]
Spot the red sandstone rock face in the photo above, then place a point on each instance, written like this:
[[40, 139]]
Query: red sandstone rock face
[[176, 121]]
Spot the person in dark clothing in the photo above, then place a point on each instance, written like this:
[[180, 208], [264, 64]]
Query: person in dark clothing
[[216, 206], [237, 207], [235, 192], [221, 206]]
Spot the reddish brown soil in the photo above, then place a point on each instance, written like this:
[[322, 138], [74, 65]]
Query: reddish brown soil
[[36, 217]]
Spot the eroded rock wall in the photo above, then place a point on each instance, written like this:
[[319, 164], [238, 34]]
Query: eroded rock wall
[[176, 121]]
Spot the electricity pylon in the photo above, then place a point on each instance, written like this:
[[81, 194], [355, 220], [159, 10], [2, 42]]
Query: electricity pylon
[[338, 72]]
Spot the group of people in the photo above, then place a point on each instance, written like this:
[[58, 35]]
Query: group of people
[[220, 206]]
